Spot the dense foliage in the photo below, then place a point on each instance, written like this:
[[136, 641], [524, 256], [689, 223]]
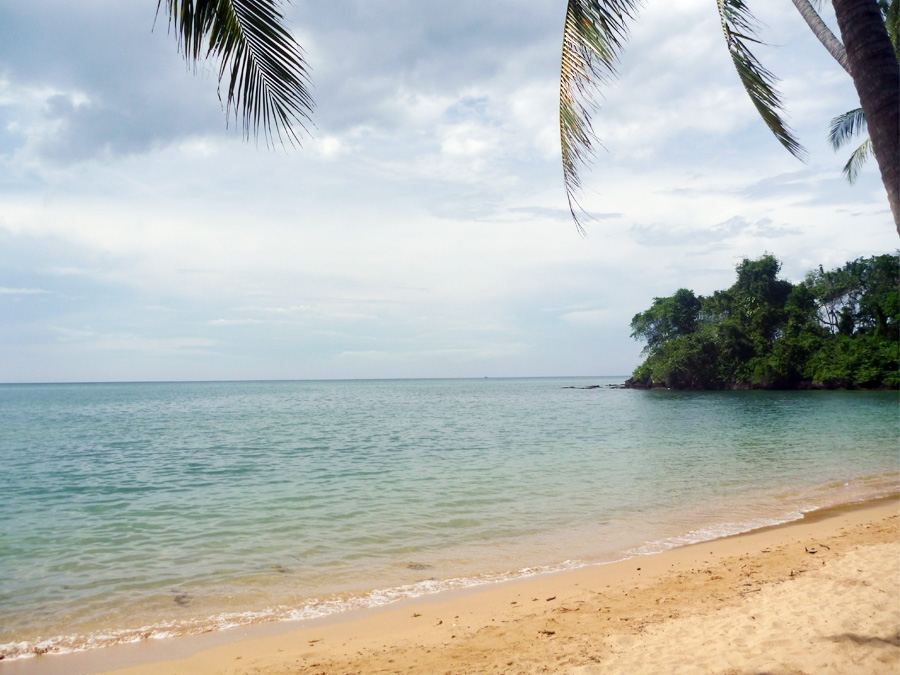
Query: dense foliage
[[837, 328]]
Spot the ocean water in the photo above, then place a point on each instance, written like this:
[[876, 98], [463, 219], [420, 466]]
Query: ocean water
[[133, 511]]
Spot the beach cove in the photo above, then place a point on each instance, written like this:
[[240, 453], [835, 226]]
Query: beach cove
[[818, 595], [148, 512], [455, 338]]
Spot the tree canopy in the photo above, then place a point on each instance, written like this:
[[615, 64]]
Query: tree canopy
[[836, 328]]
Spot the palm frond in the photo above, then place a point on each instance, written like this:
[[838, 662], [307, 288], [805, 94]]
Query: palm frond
[[593, 35], [846, 126], [891, 13], [857, 159], [266, 73], [739, 27]]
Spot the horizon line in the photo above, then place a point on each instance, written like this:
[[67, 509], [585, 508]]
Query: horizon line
[[314, 379]]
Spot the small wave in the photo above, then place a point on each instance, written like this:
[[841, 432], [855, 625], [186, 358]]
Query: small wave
[[314, 609], [319, 608], [713, 532]]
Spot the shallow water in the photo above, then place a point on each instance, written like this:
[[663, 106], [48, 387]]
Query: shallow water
[[136, 510]]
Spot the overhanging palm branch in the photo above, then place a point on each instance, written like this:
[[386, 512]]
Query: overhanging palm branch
[[593, 35], [890, 10], [739, 27], [857, 159], [267, 76], [846, 126], [853, 122]]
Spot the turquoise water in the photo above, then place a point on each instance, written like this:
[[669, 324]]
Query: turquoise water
[[147, 510]]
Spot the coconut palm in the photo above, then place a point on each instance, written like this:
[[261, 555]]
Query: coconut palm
[[852, 123], [843, 129], [595, 32], [593, 37], [822, 32], [261, 66], [268, 86], [876, 76]]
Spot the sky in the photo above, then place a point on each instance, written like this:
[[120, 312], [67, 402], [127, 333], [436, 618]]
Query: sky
[[421, 230]]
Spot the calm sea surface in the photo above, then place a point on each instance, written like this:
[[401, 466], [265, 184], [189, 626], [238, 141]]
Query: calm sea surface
[[145, 510]]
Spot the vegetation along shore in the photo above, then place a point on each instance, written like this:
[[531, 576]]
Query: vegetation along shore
[[837, 328]]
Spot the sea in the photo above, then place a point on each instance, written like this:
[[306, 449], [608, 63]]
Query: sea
[[141, 511]]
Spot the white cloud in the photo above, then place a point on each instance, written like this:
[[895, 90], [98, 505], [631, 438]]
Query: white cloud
[[590, 317], [234, 322], [6, 290], [466, 140], [423, 229], [328, 147], [129, 342]]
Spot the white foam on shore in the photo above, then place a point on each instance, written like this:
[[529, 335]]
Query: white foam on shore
[[314, 609], [319, 608], [857, 490], [710, 533]]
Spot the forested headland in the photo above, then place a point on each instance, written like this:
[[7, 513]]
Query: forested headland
[[837, 328]]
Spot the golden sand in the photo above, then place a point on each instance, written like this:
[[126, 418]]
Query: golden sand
[[821, 595]]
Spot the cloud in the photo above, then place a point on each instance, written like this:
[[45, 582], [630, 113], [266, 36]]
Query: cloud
[[126, 93], [336, 310], [6, 290], [483, 352], [129, 342], [556, 213], [589, 317], [234, 322], [729, 229], [423, 228]]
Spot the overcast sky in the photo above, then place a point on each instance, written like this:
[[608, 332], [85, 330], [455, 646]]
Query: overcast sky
[[422, 230]]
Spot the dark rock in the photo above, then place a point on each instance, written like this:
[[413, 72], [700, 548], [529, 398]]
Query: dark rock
[[418, 566]]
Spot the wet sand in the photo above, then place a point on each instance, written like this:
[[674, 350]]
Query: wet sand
[[818, 595]]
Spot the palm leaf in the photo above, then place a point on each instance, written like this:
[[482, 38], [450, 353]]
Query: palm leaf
[[593, 35], [891, 12], [266, 73], [739, 27], [846, 126], [857, 159]]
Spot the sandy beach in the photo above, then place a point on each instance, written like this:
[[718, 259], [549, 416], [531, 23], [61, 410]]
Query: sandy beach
[[820, 595], [449, 338]]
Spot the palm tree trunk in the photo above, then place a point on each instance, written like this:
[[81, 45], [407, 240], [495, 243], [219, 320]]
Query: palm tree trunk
[[822, 32], [876, 76]]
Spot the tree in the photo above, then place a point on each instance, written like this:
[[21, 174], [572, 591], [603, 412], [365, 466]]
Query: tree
[[876, 76], [261, 63], [852, 123], [667, 318], [267, 76], [861, 295], [837, 328], [759, 298], [823, 33], [595, 32]]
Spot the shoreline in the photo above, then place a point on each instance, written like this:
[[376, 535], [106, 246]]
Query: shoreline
[[335, 608], [330, 637]]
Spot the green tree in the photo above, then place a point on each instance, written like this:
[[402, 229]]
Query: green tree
[[860, 295], [261, 67], [837, 328], [878, 307], [759, 299], [595, 32], [667, 318]]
